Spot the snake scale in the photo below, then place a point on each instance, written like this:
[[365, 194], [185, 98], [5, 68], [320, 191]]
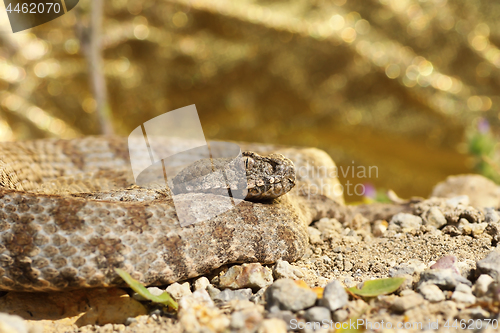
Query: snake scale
[[70, 213]]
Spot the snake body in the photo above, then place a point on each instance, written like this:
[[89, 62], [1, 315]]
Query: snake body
[[70, 215]]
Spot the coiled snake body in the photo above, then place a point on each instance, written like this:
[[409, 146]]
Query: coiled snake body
[[69, 215]]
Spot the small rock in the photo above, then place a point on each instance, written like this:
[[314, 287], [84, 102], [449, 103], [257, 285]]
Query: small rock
[[340, 315], [379, 228], [406, 222], [287, 295], [317, 314], [445, 279], [177, 291], [432, 293], [197, 313], [246, 320], [462, 297], [212, 291], [404, 303], [482, 285], [314, 235], [463, 288], [334, 296], [283, 269], [490, 265], [12, 324], [474, 313], [435, 217], [491, 215], [272, 325], [153, 290], [447, 262], [328, 227], [253, 276], [258, 297], [201, 283], [458, 200], [229, 295]]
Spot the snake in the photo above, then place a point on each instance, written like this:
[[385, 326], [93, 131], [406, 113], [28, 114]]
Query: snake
[[71, 213]]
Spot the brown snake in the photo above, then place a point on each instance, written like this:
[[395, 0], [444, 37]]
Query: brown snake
[[70, 214]]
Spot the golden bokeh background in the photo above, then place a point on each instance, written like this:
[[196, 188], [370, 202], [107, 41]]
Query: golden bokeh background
[[394, 84]]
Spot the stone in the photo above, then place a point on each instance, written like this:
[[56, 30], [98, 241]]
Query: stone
[[379, 228], [212, 291], [461, 297], [258, 297], [314, 235], [153, 290], [340, 315], [447, 262], [481, 191], [482, 285], [283, 269], [201, 283], [287, 295], [402, 304], [432, 293], [445, 279], [405, 222], [435, 217], [490, 265], [334, 296], [177, 290], [463, 288], [197, 313], [246, 320], [252, 275], [229, 295], [317, 314], [272, 325], [491, 215]]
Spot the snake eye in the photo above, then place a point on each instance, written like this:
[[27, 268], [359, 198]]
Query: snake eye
[[249, 162]]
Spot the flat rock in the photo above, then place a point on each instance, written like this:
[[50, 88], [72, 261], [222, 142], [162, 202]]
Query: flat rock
[[445, 279]]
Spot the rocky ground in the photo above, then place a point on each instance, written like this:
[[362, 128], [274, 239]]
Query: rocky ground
[[445, 249]]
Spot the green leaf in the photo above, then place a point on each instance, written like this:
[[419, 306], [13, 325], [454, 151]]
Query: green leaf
[[136, 286], [377, 287]]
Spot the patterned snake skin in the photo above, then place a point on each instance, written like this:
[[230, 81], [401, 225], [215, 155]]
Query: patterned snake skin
[[70, 214]]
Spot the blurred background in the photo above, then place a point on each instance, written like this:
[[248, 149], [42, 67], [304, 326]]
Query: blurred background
[[411, 87]]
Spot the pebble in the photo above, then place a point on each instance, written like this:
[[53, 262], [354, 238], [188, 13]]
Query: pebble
[[490, 265], [447, 262], [258, 297], [12, 324], [402, 304], [272, 325], [432, 293], [379, 228], [463, 294], [246, 320], [287, 295], [445, 279], [491, 215], [340, 315], [406, 222], [153, 290], [334, 296], [252, 275], [228, 295], [201, 283], [317, 314], [197, 310], [482, 285], [177, 290], [212, 291], [435, 217], [314, 235], [283, 269]]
